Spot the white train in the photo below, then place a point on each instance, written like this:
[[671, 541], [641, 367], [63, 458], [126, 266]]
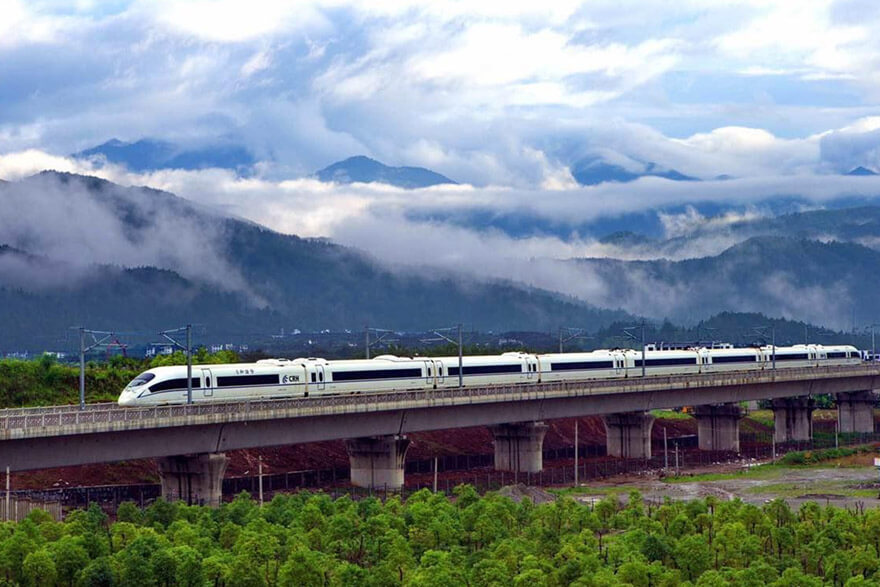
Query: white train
[[285, 378]]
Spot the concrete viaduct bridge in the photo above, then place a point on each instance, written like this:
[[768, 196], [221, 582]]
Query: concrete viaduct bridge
[[189, 440]]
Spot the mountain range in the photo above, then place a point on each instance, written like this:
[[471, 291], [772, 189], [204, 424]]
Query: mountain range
[[163, 261], [82, 250]]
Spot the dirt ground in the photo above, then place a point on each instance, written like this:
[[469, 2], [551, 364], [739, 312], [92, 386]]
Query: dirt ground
[[850, 482]]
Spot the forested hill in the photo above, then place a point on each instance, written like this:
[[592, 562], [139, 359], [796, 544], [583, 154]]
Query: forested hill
[[825, 282], [84, 251]]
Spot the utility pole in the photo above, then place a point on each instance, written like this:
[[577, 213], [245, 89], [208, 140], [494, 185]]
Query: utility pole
[[627, 332], [762, 331], [188, 350], [189, 381], [873, 346], [381, 335], [576, 460], [773, 342], [665, 452], [438, 332], [572, 333], [83, 349], [82, 369], [460, 359], [260, 474]]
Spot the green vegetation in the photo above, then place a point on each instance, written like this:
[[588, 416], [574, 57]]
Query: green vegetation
[[766, 471], [670, 415], [815, 488], [817, 456], [45, 381], [312, 540]]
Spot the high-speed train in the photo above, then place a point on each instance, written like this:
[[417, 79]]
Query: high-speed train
[[286, 378]]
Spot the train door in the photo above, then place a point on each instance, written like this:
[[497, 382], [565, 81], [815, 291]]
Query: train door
[[618, 361], [441, 376], [530, 369], [704, 360], [319, 370], [208, 388], [428, 378]]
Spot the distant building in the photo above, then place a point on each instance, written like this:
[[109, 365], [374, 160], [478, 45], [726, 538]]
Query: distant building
[[228, 346], [159, 348]]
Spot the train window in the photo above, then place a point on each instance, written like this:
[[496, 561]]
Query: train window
[[396, 373], [321, 376], [313, 378], [172, 384], [141, 379], [243, 380], [487, 369], [581, 365]]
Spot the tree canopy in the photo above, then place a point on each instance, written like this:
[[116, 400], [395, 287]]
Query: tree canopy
[[310, 539]]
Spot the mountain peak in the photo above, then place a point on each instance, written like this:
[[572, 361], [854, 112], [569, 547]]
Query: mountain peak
[[149, 154], [595, 170], [861, 171], [362, 169]]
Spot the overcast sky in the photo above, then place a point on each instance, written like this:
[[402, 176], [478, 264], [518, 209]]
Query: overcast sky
[[502, 93], [503, 97]]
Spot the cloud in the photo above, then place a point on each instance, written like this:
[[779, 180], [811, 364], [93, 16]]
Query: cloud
[[70, 230], [235, 22], [485, 85], [500, 96], [853, 146]]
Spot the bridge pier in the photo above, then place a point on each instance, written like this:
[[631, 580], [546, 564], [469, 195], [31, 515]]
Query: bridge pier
[[855, 412], [377, 461], [628, 435], [197, 479], [519, 446], [718, 426], [793, 418]]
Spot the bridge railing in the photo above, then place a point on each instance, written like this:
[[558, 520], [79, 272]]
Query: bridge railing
[[108, 412]]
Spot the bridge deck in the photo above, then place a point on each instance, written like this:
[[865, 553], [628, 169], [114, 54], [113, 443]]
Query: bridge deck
[[22, 423]]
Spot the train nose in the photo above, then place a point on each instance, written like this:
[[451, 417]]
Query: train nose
[[126, 399]]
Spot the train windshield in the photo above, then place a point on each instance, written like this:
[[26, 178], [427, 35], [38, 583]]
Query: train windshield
[[141, 379]]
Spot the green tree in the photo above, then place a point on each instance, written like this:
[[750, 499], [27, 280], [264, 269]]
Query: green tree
[[38, 569], [188, 566], [304, 568], [129, 512], [70, 558], [216, 568], [98, 573], [693, 556], [13, 550], [436, 569]]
